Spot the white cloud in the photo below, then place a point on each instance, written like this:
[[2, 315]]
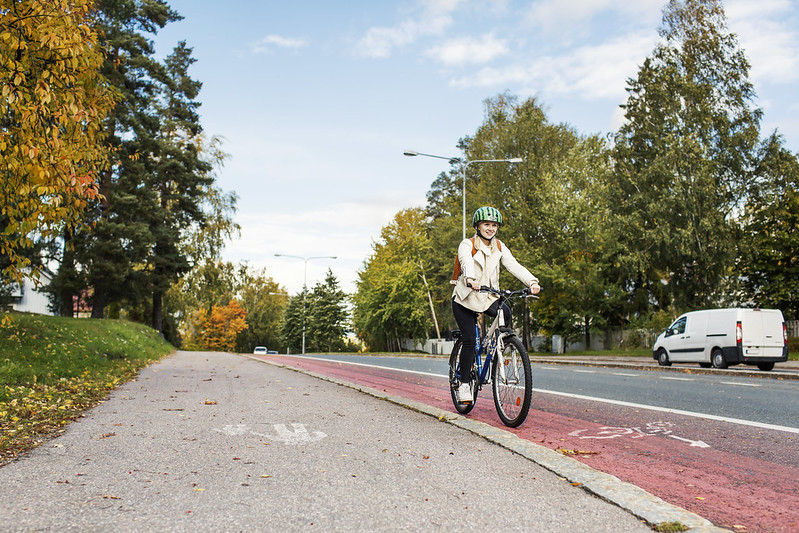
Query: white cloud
[[590, 72], [563, 16], [769, 38], [469, 50], [335, 230], [434, 18], [268, 43]]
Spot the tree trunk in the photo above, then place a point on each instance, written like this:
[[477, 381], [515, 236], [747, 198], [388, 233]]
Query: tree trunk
[[158, 305], [587, 334], [98, 301], [66, 294]]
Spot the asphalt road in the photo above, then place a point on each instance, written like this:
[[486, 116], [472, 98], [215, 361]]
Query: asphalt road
[[734, 394], [220, 442]]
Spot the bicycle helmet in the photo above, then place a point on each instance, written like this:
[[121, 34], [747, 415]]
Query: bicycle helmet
[[490, 214]]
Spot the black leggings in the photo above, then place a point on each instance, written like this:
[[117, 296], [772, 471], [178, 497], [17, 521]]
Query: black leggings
[[466, 319]]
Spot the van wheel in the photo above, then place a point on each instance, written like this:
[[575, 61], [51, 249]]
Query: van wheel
[[663, 358], [718, 359], [765, 367]]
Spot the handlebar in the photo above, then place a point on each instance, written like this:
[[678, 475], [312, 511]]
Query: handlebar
[[522, 293]]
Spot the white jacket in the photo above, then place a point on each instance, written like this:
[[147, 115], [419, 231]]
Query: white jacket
[[483, 266]]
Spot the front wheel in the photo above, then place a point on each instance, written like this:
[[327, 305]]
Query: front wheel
[[663, 358], [512, 382], [455, 380]]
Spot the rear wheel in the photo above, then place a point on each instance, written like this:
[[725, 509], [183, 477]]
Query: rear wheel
[[663, 358], [765, 367], [512, 382], [719, 361], [455, 380]]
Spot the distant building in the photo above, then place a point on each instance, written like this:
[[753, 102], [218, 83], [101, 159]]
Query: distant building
[[27, 299]]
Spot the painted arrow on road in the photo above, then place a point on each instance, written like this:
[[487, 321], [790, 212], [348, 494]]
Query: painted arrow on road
[[698, 443]]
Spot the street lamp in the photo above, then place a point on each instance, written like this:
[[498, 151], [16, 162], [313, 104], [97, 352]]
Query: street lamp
[[464, 163], [304, 285]]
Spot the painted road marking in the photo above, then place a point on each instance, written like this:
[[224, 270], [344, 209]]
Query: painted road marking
[[623, 374], [750, 423], [297, 435], [651, 429], [586, 371], [676, 379], [741, 384]]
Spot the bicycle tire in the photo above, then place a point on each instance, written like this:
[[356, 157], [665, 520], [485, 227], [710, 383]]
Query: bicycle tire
[[455, 381], [512, 382]]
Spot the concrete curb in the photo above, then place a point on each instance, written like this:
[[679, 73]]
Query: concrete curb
[[633, 499]]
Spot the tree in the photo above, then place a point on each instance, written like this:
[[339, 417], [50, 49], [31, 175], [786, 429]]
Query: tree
[[110, 256], [177, 173], [220, 328], [682, 161], [327, 319], [265, 302], [53, 106], [554, 213], [770, 244], [391, 297], [294, 317], [212, 282]]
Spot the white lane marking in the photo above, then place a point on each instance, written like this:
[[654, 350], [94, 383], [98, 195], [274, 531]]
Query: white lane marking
[[586, 371], [676, 379], [741, 384], [762, 425], [604, 400], [625, 375]]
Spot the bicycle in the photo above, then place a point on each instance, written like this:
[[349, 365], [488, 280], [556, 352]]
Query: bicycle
[[506, 367]]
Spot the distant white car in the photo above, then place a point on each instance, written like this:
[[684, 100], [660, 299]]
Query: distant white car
[[260, 350]]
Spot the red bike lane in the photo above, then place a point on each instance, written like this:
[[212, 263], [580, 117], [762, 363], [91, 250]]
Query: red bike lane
[[740, 478]]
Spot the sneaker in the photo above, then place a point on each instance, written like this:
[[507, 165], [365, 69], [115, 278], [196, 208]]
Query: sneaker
[[465, 393]]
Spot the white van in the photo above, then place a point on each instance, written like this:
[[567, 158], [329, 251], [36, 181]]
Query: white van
[[722, 337]]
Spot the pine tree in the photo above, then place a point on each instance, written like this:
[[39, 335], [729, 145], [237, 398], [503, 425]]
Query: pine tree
[[327, 316]]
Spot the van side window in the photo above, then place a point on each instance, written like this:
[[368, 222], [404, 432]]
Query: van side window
[[678, 328]]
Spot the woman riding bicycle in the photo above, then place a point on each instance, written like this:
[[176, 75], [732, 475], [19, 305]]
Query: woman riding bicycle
[[479, 258]]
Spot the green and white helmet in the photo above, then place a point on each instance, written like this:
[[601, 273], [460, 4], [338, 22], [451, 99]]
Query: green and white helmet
[[487, 214]]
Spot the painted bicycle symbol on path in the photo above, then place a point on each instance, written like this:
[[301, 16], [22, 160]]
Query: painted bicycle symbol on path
[[297, 435], [651, 429]]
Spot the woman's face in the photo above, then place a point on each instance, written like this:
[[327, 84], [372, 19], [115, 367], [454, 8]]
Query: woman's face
[[487, 229]]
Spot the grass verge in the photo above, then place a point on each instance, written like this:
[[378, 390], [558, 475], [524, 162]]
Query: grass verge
[[52, 369]]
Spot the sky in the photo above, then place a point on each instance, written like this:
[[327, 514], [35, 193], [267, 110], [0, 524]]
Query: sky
[[316, 100]]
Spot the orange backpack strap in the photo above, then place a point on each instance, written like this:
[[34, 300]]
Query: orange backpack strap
[[456, 271]]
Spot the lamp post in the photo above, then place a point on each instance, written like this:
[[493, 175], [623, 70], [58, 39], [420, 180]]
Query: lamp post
[[305, 286], [464, 163]]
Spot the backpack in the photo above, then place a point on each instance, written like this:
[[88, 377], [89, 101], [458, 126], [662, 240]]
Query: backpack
[[456, 271]]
